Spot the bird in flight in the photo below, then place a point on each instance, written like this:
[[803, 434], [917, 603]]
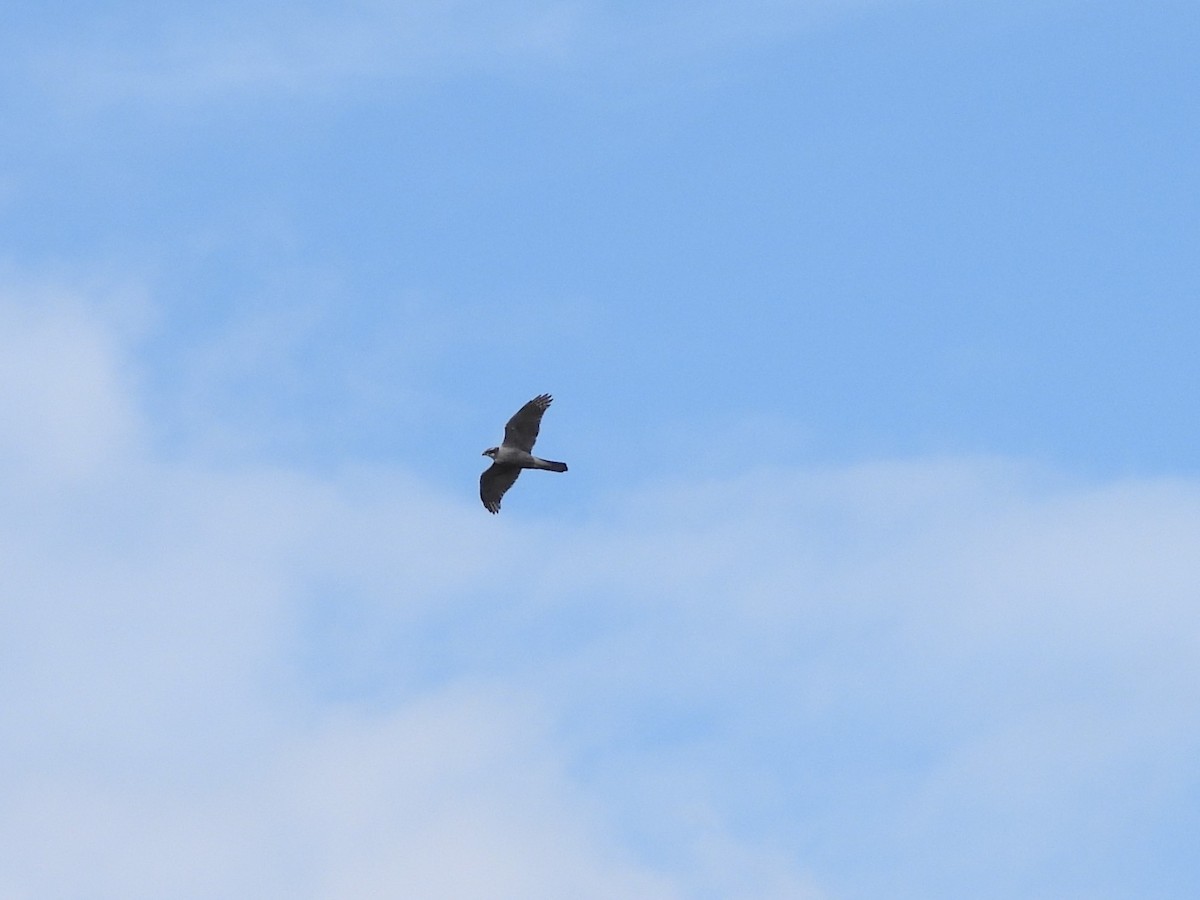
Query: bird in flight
[[514, 454]]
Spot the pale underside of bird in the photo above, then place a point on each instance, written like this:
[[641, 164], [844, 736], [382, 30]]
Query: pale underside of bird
[[515, 453]]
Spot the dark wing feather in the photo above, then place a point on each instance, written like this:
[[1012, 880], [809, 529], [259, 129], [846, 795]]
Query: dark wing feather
[[522, 429], [495, 480]]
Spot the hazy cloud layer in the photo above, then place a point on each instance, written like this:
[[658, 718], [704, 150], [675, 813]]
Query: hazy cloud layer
[[954, 676]]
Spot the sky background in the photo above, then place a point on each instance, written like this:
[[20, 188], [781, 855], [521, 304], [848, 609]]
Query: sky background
[[872, 329]]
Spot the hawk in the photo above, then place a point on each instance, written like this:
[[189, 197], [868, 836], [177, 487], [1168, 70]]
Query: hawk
[[513, 455]]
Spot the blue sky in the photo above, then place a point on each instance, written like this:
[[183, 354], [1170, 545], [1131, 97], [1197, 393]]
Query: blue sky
[[887, 306]]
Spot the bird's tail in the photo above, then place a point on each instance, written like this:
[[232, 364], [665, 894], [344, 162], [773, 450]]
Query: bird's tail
[[551, 466]]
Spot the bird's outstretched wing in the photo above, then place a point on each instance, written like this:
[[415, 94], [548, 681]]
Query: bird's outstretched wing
[[495, 480], [522, 429]]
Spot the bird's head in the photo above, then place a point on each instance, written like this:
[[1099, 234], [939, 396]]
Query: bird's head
[[491, 451]]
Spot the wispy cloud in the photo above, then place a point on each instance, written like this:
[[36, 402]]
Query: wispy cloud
[[315, 50], [185, 56]]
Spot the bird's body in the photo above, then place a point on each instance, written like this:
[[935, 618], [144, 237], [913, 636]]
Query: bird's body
[[510, 456], [514, 454]]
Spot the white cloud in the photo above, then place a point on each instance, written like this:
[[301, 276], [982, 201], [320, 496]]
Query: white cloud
[[64, 411], [267, 682]]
